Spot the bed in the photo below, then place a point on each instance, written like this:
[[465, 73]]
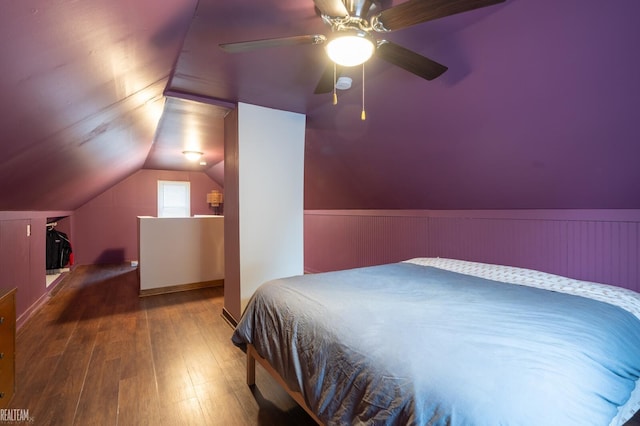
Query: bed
[[435, 341]]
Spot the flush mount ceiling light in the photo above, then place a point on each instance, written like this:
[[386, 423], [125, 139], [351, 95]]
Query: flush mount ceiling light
[[192, 155], [350, 48]]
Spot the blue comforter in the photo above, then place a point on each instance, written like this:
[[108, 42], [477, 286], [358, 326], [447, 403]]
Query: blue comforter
[[408, 344]]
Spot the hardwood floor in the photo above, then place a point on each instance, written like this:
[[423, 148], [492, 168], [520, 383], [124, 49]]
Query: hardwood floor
[[95, 353]]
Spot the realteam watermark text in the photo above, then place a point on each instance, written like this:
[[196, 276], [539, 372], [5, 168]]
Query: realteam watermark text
[[15, 416]]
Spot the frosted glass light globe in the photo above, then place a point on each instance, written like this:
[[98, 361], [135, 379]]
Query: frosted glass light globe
[[350, 49]]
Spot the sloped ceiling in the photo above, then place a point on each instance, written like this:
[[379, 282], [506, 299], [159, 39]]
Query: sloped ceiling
[[82, 85], [538, 108]]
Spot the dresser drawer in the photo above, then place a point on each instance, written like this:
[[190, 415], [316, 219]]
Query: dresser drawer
[[7, 345], [6, 333], [7, 383]]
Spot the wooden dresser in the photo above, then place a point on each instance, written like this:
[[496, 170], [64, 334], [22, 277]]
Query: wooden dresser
[[7, 345]]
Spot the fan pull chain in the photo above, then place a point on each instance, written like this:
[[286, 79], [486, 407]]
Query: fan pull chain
[[335, 82], [363, 115]]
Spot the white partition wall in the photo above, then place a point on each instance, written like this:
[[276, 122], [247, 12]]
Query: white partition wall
[[179, 252], [267, 198]]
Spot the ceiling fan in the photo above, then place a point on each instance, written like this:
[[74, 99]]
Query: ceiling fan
[[353, 23]]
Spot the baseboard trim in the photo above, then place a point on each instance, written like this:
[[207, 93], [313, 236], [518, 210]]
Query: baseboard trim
[[50, 291], [229, 318], [181, 287]]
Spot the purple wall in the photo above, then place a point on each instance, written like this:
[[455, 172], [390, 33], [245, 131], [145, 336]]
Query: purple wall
[[22, 257], [592, 245], [105, 230]]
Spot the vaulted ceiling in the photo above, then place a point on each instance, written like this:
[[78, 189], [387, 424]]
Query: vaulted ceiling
[[537, 110]]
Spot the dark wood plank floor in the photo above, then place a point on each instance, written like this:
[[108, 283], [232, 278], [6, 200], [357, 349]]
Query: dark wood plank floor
[[97, 354]]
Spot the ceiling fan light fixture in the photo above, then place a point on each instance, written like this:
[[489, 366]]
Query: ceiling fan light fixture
[[192, 155], [350, 48]]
